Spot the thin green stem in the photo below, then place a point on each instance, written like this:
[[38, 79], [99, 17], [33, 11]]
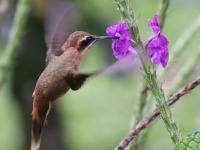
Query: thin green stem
[[163, 7], [142, 103], [150, 75], [182, 41], [7, 58], [155, 113], [162, 11], [138, 115], [187, 71], [166, 114]]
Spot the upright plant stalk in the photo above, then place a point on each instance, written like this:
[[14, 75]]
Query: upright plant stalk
[[151, 116], [148, 71], [138, 115], [7, 58], [163, 7], [181, 42], [176, 51], [143, 96], [187, 71]]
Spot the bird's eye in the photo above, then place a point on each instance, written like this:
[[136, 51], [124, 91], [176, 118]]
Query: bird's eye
[[89, 39], [84, 43]]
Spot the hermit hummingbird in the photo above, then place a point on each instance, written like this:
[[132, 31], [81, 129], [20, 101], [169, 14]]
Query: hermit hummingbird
[[62, 72]]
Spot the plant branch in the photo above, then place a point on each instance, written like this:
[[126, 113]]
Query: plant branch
[[149, 72], [7, 58], [142, 100], [155, 113]]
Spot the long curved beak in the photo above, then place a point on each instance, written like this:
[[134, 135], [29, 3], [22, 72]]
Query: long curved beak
[[106, 37]]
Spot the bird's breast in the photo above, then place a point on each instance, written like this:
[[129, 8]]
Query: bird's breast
[[52, 82]]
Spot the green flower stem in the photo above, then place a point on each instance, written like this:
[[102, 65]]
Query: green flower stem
[[151, 116], [182, 41], [126, 11], [185, 38], [176, 50], [6, 60], [148, 71], [138, 115], [143, 97], [157, 92], [142, 103], [187, 71], [163, 7]]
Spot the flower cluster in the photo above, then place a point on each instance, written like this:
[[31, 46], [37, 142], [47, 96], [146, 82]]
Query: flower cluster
[[121, 47], [157, 44]]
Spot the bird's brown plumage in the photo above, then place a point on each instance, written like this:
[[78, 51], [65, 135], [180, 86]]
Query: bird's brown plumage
[[61, 74]]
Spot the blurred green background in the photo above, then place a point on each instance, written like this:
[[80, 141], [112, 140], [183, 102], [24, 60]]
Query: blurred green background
[[97, 116]]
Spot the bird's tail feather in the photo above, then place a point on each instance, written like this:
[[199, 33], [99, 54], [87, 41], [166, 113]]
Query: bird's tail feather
[[40, 113], [36, 135]]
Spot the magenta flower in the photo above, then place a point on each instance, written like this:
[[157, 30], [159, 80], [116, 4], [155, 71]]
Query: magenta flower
[[121, 47], [157, 44]]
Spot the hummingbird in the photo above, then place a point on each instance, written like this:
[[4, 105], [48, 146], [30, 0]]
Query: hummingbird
[[62, 72]]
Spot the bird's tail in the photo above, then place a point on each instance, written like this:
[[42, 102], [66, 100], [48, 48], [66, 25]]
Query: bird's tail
[[36, 135], [40, 112]]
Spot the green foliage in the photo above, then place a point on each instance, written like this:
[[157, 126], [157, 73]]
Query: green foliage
[[190, 142]]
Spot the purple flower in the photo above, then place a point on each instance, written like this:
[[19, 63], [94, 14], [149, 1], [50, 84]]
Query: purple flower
[[157, 44], [121, 47]]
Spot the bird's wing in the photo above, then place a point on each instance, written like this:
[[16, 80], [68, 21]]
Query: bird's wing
[[61, 20], [75, 81]]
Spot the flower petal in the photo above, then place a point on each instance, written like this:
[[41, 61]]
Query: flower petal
[[154, 24], [157, 44], [121, 47]]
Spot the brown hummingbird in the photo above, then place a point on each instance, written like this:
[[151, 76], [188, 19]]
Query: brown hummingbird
[[60, 74]]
